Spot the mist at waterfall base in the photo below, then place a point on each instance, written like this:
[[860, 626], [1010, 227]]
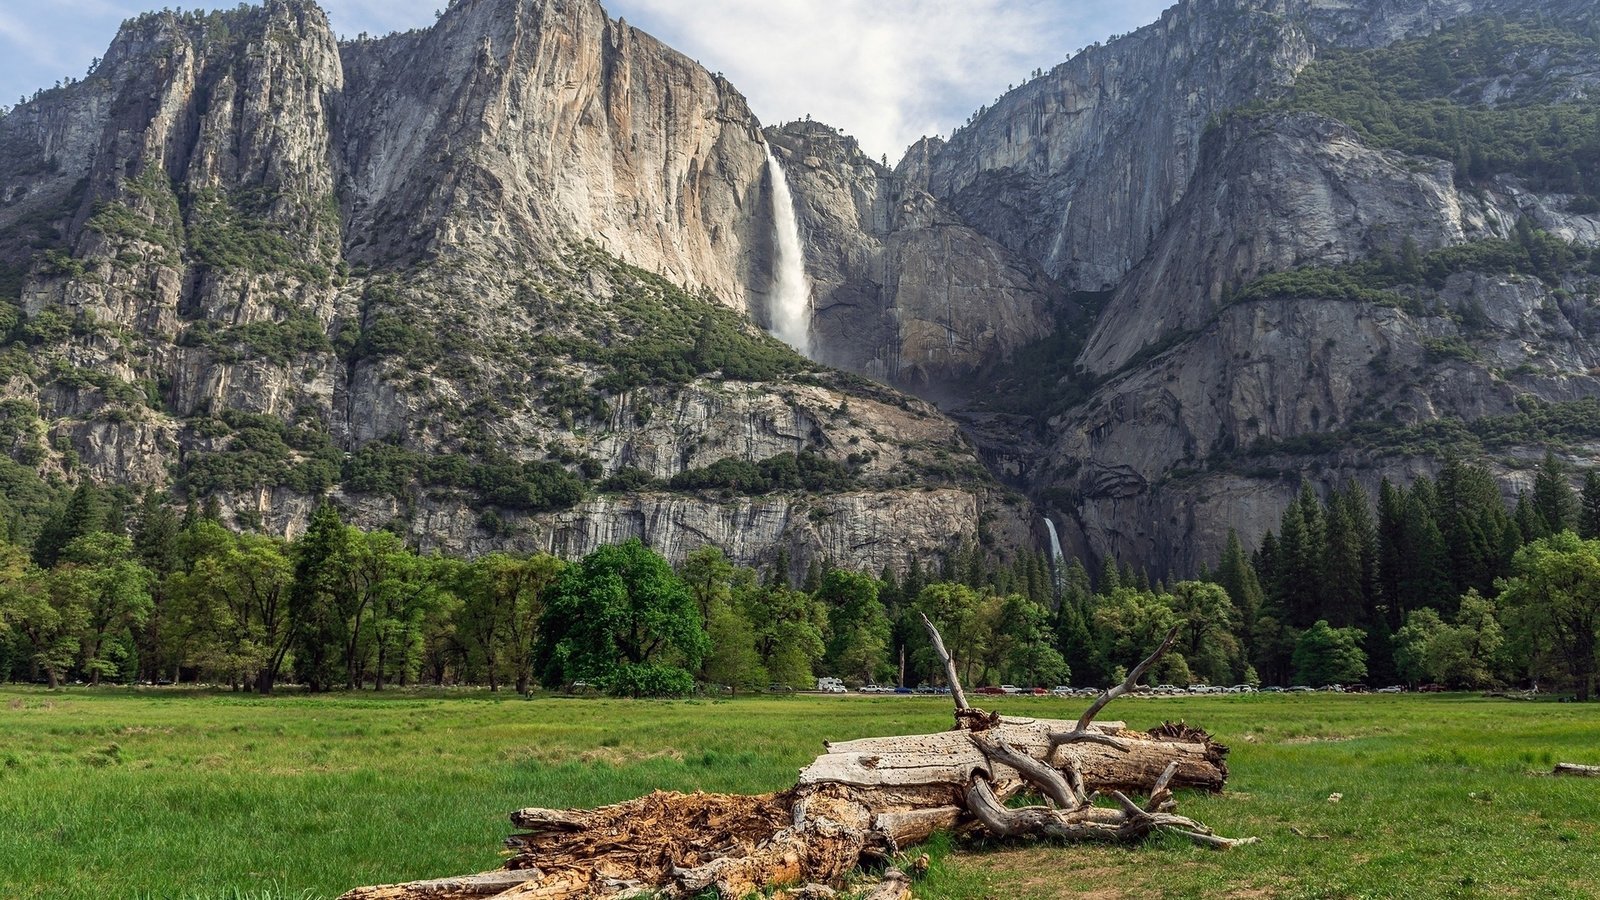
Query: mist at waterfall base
[[789, 309]]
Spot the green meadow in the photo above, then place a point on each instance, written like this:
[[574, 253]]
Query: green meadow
[[115, 793]]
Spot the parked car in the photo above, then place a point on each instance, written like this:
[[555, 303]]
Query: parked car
[[829, 685], [904, 690], [779, 688], [1272, 689], [1392, 689], [1062, 690], [926, 689], [1010, 689], [1357, 689], [1431, 688], [1301, 689], [991, 689]]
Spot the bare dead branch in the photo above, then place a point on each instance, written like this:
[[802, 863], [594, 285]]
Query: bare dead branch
[[1039, 774], [1129, 808], [1087, 737], [956, 692], [1128, 683], [1160, 794]]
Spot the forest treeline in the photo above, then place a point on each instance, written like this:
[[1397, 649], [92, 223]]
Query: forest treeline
[[1436, 581]]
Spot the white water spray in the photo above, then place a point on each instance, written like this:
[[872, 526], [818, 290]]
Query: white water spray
[[790, 300], [1056, 556]]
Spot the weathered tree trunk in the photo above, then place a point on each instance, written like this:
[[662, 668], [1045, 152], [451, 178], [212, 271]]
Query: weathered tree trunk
[[1576, 770], [859, 802]]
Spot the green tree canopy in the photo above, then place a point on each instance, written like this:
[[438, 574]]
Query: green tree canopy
[[1328, 655], [621, 617], [1553, 598], [858, 625]]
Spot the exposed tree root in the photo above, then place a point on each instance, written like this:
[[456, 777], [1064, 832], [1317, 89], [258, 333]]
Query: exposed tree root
[[859, 803]]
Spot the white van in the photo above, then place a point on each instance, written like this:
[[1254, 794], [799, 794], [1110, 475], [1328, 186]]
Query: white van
[[831, 686]]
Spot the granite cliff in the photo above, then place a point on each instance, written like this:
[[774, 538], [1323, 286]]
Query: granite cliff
[[1185, 173]]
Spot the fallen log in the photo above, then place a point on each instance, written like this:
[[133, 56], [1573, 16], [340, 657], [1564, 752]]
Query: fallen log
[[858, 803], [1576, 771]]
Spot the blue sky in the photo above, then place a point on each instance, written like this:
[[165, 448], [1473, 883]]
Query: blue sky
[[887, 71]]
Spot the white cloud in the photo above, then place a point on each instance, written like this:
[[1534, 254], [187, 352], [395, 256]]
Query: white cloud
[[887, 71]]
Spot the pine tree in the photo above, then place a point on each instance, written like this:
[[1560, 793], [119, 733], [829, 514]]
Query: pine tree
[[1077, 646], [1298, 585], [1471, 515], [1552, 496], [1409, 267], [1589, 508], [1379, 646], [116, 516], [84, 513], [890, 592], [813, 579], [1344, 566], [973, 566], [1426, 581], [1075, 588], [314, 616], [779, 576], [1110, 578], [1042, 580], [914, 581], [1238, 577], [155, 535], [1530, 525]]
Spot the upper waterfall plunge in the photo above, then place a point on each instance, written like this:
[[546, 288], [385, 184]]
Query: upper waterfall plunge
[[789, 309]]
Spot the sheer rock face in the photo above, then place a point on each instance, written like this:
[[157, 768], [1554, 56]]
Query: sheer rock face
[[1278, 371], [904, 290], [511, 121], [1078, 170], [1298, 190]]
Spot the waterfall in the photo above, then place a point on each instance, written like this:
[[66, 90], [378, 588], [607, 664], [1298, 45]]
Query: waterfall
[[1056, 557], [790, 301]]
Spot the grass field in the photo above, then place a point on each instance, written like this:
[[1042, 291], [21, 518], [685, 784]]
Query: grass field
[[112, 794]]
